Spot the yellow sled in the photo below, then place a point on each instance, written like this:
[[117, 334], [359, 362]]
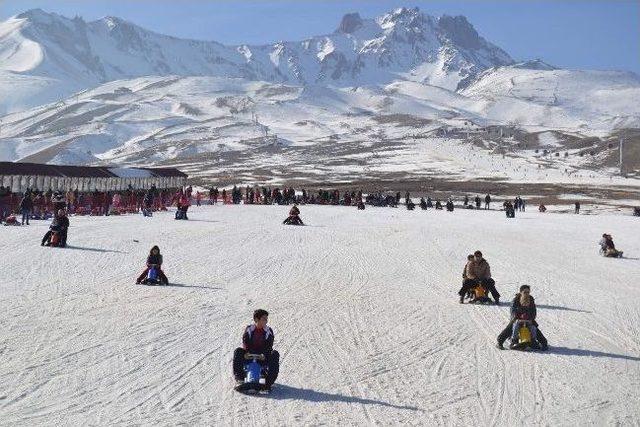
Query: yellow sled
[[525, 335]]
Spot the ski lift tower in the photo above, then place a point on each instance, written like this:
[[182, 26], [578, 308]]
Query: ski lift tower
[[621, 146]]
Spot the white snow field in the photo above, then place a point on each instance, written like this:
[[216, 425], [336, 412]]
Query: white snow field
[[363, 305]]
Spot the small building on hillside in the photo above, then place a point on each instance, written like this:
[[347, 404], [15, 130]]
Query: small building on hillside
[[498, 131], [20, 176]]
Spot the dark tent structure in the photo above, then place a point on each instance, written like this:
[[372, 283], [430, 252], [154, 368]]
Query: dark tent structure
[[20, 176]]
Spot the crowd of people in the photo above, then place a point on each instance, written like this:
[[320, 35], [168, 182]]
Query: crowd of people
[[38, 204]]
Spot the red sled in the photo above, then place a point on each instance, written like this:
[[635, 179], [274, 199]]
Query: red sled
[[55, 238]]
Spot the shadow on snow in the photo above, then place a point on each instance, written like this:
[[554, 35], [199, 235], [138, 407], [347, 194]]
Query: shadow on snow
[[83, 248], [288, 392], [181, 285], [559, 307], [565, 351]]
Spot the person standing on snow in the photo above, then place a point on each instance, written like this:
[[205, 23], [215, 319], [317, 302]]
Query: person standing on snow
[[26, 206]]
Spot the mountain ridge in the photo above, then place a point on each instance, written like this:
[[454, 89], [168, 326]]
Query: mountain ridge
[[402, 44]]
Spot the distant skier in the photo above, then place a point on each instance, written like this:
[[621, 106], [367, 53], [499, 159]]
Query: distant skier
[[478, 201], [257, 339], [487, 201], [577, 208]]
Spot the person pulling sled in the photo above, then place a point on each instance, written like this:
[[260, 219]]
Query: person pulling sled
[[256, 364], [153, 274], [294, 217]]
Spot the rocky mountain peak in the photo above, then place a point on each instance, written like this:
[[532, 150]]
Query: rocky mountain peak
[[459, 31], [350, 22]]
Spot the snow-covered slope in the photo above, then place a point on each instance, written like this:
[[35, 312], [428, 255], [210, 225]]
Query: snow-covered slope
[[259, 131], [535, 95], [364, 309], [405, 43]]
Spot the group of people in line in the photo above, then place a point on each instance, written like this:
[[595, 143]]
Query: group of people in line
[[37, 204]]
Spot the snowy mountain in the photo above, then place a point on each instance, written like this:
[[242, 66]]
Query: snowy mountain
[[44, 57], [535, 93], [404, 95], [248, 131]]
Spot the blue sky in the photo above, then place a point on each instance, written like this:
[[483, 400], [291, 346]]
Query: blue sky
[[588, 34]]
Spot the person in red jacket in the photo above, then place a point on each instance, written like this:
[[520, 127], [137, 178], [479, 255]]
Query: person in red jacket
[[182, 202], [257, 339]]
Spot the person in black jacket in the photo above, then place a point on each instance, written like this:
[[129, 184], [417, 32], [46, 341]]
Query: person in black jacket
[[521, 312], [154, 260], [60, 224], [26, 206], [257, 339]]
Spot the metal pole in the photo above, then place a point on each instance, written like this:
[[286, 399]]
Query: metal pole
[[621, 143]]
